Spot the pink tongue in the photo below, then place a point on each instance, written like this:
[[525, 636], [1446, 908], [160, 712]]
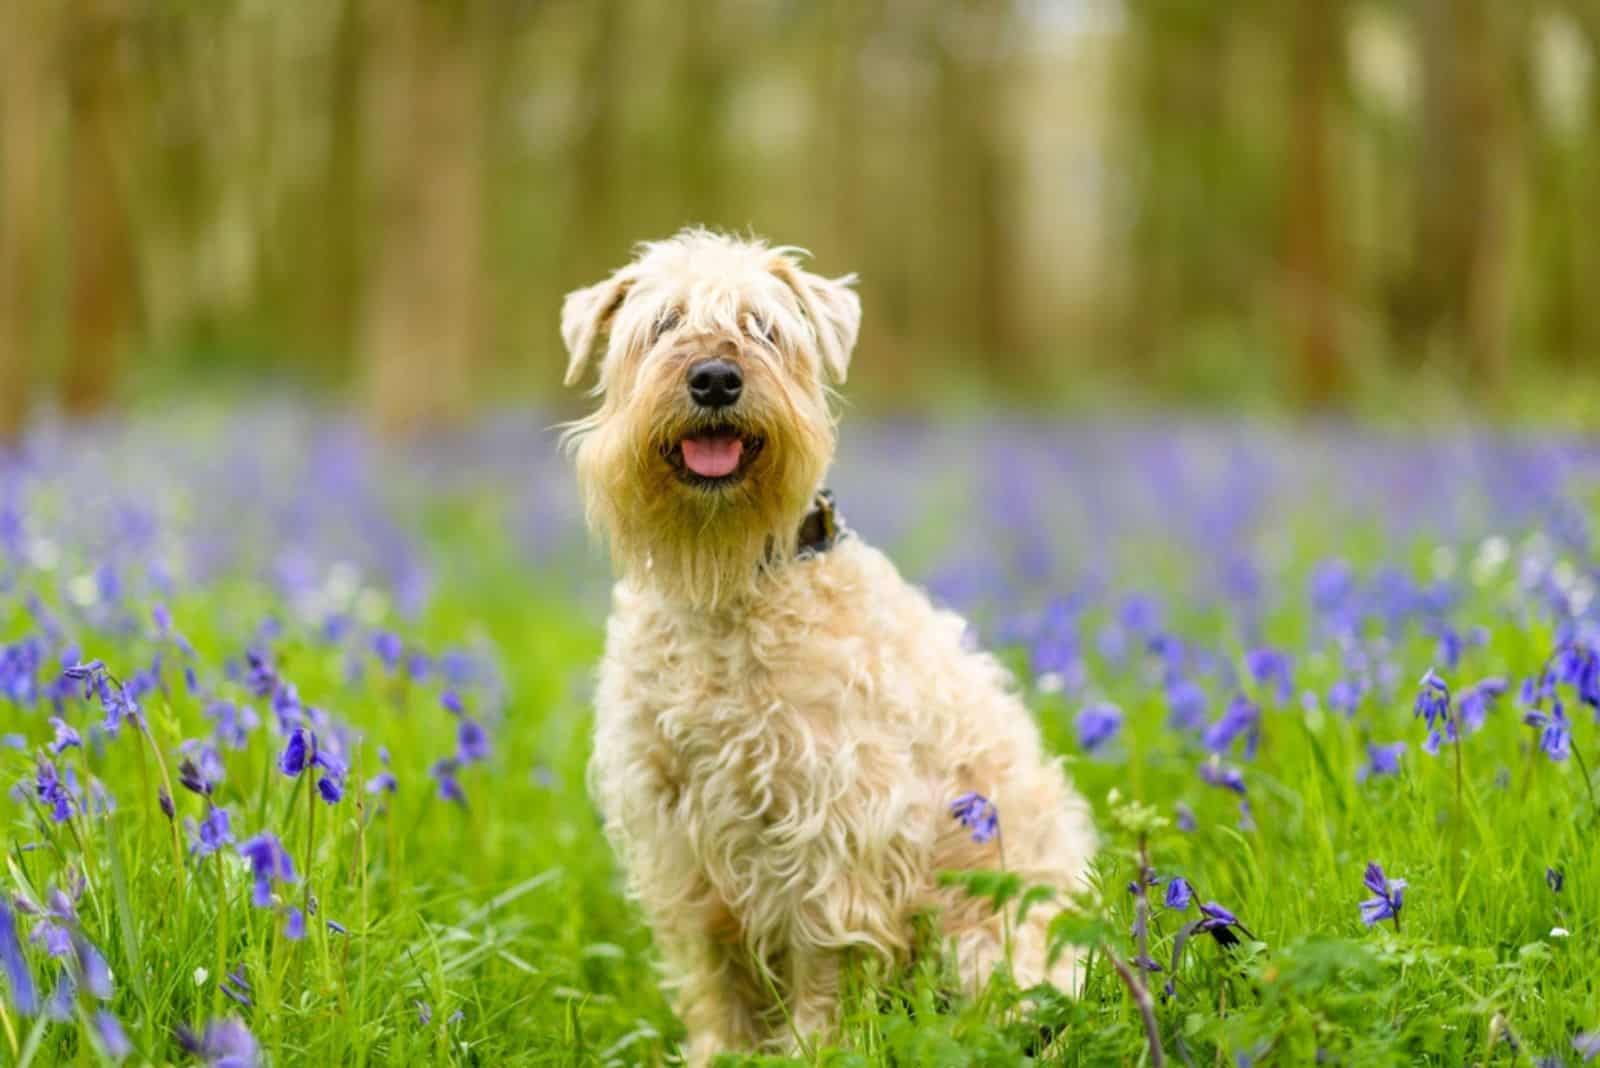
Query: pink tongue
[[712, 457]]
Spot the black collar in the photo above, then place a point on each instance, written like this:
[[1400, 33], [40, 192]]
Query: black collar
[[822, 528]]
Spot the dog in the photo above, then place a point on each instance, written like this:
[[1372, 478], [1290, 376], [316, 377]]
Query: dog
[[782, 722]]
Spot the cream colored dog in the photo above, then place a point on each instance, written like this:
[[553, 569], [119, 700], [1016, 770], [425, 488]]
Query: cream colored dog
[[782, 721]]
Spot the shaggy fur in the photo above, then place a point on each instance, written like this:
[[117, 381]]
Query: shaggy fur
[[778, 738]]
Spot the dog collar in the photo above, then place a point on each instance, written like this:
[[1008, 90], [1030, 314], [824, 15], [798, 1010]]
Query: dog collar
[[822, 528]]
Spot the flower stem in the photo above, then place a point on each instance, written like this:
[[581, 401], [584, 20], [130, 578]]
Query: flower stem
[[172, 824], [1146, 1007], [1583, 767], [222, 937]]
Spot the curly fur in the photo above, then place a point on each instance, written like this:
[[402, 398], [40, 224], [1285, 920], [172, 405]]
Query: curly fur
[[778, 739]]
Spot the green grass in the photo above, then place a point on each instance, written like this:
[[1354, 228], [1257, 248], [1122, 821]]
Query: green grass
[[508, 910]]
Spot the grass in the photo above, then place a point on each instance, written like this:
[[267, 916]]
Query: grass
[[495, 932]]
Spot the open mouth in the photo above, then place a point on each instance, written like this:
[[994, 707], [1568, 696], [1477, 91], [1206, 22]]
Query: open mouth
[[714, 457]]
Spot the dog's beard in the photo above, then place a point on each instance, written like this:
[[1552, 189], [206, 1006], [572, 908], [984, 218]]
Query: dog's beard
[[703, 541]]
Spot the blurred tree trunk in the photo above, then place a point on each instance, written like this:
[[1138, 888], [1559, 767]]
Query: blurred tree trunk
[[1461, 252], [700, 89], [27, 59], [976, 182], [1182, 172], [102, 299], [593, 240], [1311, 244], [425, 128]]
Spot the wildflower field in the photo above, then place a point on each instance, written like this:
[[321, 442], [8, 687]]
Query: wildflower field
[[295, 725]]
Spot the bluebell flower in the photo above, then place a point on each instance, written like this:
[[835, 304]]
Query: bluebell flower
[[214, 832], [1179, 893], [1271, 667], [92, 967], [1433, 704], [24, 995], [1186, 706], [1241, 718], [66, 737], [237, 987], [260, 678], [52, 792], [269, 863], [388, 646], [1475, 702], [1218, 774], [977, 814], [201, 769], [1345, 695], [58, 1006], [1587, 1045], [1388, 897], [294, 924], [225, 1043], [472, 742], [297, 752], [1183, 816], [444, 774], [1098, 724], [1216, 916], [113, 1039], [1555, 730], [451, 701], [1381, 760]]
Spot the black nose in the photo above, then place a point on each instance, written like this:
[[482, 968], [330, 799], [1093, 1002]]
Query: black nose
[[715, 383]]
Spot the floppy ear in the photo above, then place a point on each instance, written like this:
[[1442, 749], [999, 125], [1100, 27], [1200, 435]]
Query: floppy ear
[[585, 314], [833, 308]]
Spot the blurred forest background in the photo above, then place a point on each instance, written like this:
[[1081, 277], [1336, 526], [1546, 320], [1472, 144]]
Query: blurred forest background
[[1295, 204]]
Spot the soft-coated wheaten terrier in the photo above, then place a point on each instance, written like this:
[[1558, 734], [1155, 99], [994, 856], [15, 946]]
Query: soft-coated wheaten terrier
[[783, 722]]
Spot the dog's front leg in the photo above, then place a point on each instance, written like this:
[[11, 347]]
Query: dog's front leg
[[719, 1007], [813, 1003]]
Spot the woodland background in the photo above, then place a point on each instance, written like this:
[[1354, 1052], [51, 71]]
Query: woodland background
[[1313, 206]]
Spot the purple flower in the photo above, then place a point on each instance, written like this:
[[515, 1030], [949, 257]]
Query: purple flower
[[444, 773], [472, 742], [66, 737], [452, 703], [1186, 706], [93, 968], [269, 863], [24, 995], [1241, 717], [224, 1044], [215, 831], [1179, 893], [294, 924], [1388, 896], [1555, 734], [201, 770], [383, 782], [113, 1039], [237, 987], [1216, 773], [1587, 1044], [1215, 916], [1345, 696], [1433, 705], [1098, 724], [52, 792], [388, 647], [977, 814], [1381, 760], [1268, 666], [1476, 701], [1184, 816], [260, 679], [297, 752]]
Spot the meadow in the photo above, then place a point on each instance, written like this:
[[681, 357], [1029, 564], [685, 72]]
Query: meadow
[[295, 725]]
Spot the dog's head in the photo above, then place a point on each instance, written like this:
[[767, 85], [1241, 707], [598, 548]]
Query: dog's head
[[714, 428]]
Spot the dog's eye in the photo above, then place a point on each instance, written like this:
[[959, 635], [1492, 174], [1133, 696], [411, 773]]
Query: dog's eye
[[668, 320], [761, 329]]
